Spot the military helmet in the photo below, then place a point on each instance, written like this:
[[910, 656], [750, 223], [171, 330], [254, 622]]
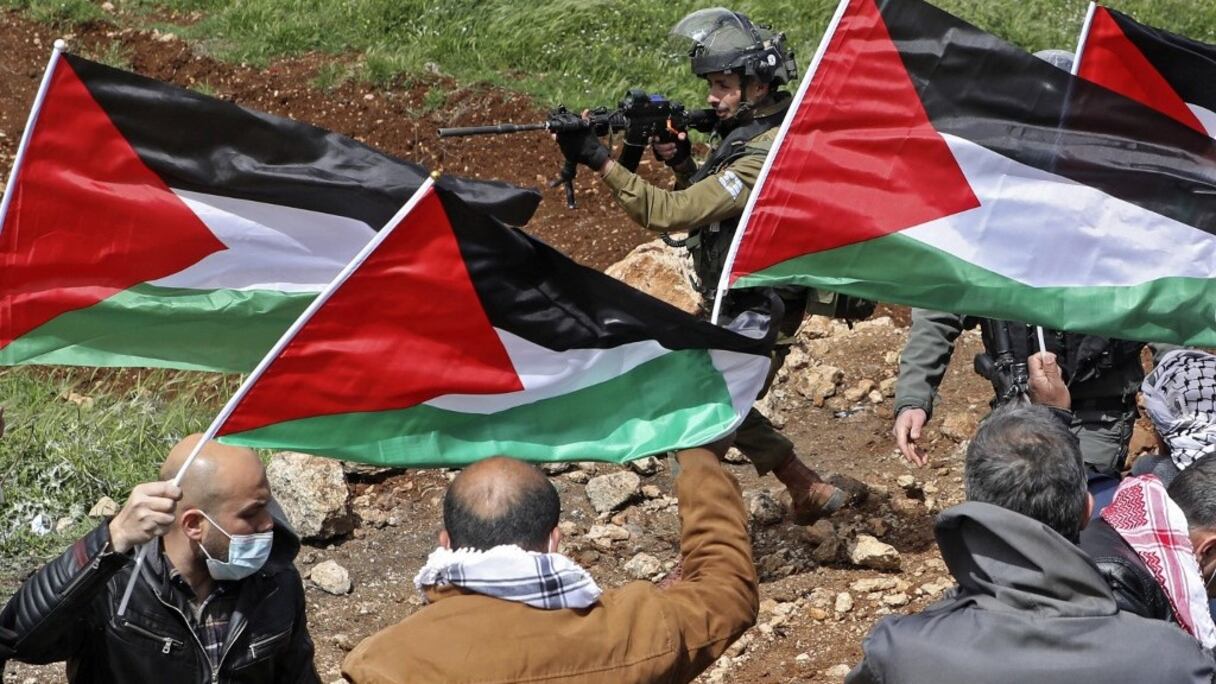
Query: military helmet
[[717, 39]]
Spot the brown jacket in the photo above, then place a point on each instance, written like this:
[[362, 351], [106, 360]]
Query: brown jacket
[[637, 633]]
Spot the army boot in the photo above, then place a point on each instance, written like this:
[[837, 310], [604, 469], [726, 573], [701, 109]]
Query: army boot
[[812, 497]]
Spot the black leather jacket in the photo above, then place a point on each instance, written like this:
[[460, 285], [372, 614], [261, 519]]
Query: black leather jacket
[[67, 611], [1133, 585]]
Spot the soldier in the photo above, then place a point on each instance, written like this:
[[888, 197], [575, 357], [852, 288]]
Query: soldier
[[744, 66], [1103, 376]]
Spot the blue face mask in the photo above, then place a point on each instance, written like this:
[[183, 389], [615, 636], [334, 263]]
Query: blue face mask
[[247, 553]]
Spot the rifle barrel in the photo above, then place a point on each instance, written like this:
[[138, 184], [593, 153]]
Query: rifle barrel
[[495, 129]]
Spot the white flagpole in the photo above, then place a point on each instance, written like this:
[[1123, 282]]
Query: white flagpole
[[273, 354], [28, 133], [1080, 51], [724, 280]]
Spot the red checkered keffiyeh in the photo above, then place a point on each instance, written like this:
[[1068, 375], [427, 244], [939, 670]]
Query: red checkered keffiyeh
[[1153, 525]]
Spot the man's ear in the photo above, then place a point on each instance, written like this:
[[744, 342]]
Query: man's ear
[[555, 540], [1089, 510], [444, 540], [191, 522]]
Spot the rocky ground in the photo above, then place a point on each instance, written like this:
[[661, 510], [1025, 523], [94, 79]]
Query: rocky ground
[[822, 587]]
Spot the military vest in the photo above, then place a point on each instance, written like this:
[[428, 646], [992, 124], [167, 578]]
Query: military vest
[[710, 244], [1081, 357]]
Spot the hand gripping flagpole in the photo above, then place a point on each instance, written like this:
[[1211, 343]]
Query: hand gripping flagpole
[[724, 280], [28, 133], [273, 354]]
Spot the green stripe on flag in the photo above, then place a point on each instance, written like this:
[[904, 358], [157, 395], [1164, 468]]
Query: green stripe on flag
[[677, 400], [903, 270], [157, 327]]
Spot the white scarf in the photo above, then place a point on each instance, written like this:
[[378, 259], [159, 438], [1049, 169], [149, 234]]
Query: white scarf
[[541, 580]]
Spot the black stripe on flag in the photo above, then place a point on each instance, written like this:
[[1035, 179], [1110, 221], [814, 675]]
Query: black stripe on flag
[[1187, 65], [977, 87], [531, 290], [202, 144]]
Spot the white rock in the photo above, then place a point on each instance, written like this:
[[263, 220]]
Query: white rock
[[609, 492], [643, 566], [312, 492], [871, 584], [645, 466], [331, 578], [844, 602], [868, 552], [837, 672], [896, 600]]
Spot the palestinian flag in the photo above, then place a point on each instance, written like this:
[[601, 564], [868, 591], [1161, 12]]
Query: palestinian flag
[[926, 162], [147, 225], [1170, 73], [453, 337]]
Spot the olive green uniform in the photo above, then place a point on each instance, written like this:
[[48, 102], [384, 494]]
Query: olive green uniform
[[1104, 407], [710, 208]]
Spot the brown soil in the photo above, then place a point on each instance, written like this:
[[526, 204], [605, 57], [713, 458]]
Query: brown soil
[[383, 557]]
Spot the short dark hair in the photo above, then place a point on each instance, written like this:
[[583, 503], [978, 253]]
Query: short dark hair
[[1194, 490], [1024, 459], [528, 514]]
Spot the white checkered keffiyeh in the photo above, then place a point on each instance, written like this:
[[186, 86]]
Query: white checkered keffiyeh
[[1180, 397], [541, 580]]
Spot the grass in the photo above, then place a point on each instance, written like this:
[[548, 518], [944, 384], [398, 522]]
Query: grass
[[578, 52], [75, 435]]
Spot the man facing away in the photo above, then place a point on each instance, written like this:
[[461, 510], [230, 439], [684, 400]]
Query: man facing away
[[1030, 606], [218, 598], [505, 607]]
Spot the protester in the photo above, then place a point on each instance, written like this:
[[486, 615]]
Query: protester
[[218, 599], [505, 606], [1029, 605], [1180, 400], [1175, 533]]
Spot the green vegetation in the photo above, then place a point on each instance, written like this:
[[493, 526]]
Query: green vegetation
[[75, 435], [579, 52]]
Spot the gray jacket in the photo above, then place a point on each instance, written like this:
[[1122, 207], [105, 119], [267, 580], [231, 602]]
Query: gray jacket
[[1030, 607]]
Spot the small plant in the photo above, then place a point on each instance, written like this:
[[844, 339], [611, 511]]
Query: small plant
[[330, 76]]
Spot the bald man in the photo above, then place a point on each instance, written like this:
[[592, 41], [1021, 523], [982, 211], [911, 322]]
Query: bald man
[[218, 598], [505, 606]]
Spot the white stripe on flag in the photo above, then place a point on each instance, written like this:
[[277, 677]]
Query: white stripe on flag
[[270, 246], [1044, 230], [1206, 117], [547, 374]]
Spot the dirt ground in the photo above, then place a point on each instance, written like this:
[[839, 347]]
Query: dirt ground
[[806, 627]]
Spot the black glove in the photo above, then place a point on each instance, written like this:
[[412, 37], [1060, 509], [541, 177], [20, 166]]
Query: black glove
[[583, 147], [683, 152]]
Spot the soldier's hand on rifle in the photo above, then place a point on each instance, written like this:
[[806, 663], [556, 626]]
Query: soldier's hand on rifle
[[908, 426], [672, 152], [1047, 382], [583, 147]]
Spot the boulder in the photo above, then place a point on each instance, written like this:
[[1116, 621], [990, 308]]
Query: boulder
[[959, 426], [868, 552], [312, 492], [331, 578], [609, 492], [660, 271]]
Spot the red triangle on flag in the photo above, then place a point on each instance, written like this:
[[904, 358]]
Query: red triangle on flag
[[406, 326], [1111, 60], [860, 158], [88, 218]]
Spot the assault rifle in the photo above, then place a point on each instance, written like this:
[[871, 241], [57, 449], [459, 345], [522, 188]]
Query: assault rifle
[[1009, 375], [639, 115]]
